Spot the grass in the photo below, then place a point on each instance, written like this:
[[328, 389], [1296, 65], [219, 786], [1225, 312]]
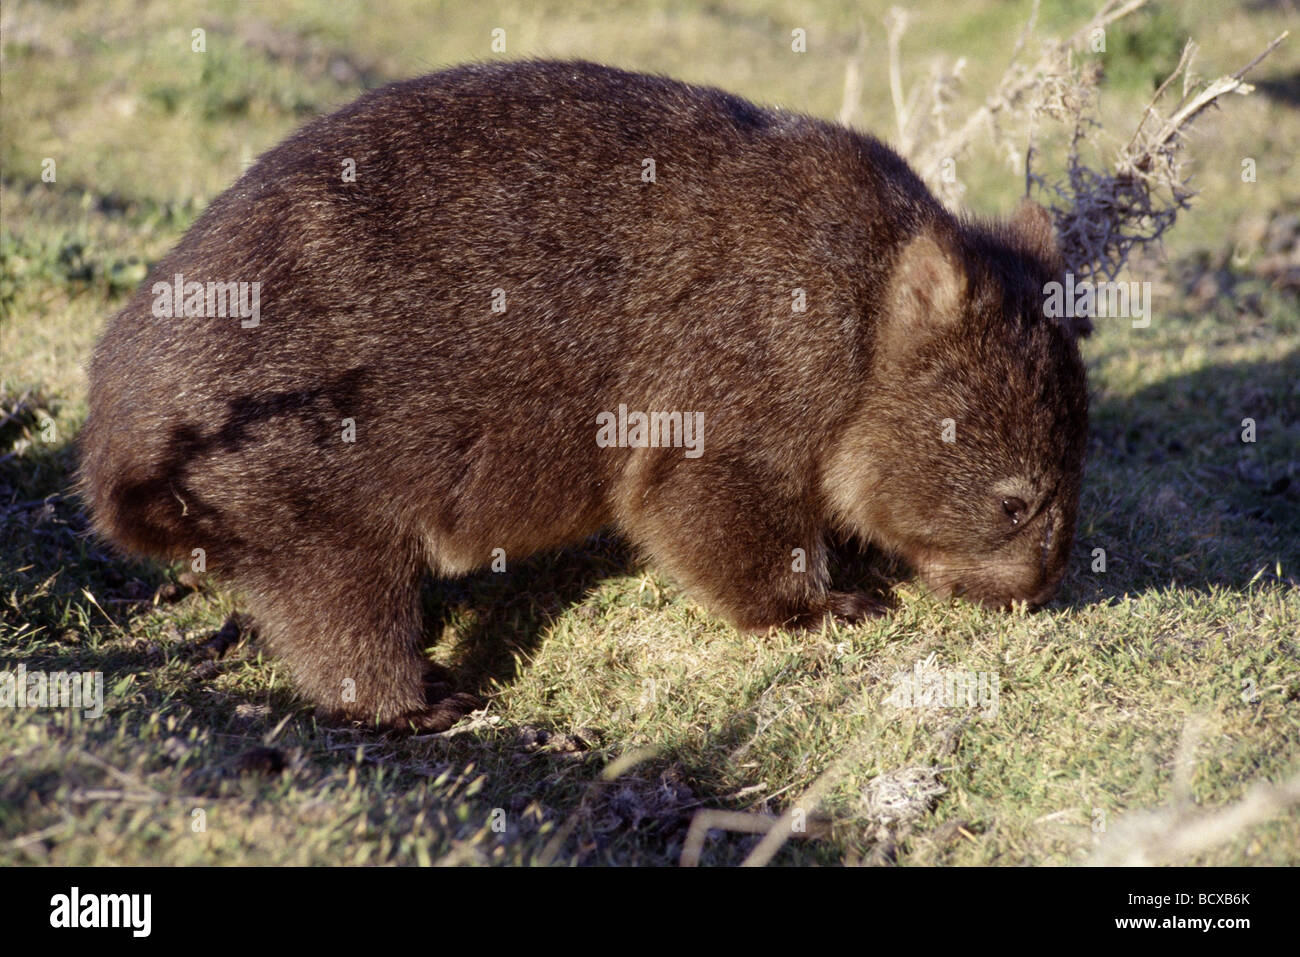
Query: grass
[[587, 656]]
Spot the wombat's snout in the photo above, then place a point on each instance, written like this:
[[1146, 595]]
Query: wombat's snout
[[1029, 569], [992, 583]]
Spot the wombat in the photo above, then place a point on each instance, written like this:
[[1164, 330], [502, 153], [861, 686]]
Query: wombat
[[495, 309]]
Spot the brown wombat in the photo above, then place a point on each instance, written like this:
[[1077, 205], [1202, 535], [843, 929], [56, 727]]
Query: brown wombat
[[495, 309]]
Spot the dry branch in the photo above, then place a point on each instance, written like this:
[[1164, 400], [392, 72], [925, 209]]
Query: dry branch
[[1103, 210]]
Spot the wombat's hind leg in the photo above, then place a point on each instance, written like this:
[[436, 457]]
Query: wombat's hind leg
[[346, 619]]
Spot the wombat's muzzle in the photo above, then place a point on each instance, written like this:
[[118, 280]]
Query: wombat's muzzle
[[1029, 569]]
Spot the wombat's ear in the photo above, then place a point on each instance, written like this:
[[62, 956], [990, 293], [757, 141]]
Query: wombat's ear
[[925, 293], [1033, 224]]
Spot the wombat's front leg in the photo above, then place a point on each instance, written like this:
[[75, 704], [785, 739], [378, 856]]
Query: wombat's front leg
[[346, 618], [753, 556]]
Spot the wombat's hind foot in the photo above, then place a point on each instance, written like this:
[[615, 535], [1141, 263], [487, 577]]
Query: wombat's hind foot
[[347, 622]]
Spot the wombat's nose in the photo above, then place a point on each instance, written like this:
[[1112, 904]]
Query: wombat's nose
[[1054, 551], [1044, 594]]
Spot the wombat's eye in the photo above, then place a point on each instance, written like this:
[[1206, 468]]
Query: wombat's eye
[[1015, 509]]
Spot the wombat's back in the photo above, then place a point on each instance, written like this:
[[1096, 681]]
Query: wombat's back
[[647, 240]]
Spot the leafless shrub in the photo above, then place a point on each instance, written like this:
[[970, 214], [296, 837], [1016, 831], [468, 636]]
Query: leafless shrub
[[1103, 208]]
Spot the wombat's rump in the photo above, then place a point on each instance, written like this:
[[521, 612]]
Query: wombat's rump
[[450, 349]]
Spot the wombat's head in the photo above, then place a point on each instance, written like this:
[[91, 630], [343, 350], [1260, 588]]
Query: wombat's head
[[967, 453]]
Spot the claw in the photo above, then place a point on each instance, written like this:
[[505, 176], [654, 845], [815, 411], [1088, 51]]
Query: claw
[[440, 715]]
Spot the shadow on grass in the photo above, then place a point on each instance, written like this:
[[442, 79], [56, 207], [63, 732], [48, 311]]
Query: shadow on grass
[[1174, 494], [503, 616], [48, 558]]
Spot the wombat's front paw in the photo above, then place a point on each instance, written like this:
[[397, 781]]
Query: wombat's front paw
[[439, 682], [851, 607], [441, 706], [845, 607], [445, 706]]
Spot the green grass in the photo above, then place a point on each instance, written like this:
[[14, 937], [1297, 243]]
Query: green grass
[[587, 656]]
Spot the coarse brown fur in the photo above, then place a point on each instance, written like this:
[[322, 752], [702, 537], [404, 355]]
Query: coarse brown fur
[[475, 429]]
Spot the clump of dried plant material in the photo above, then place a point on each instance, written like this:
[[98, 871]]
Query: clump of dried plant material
[[1113, 198]]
